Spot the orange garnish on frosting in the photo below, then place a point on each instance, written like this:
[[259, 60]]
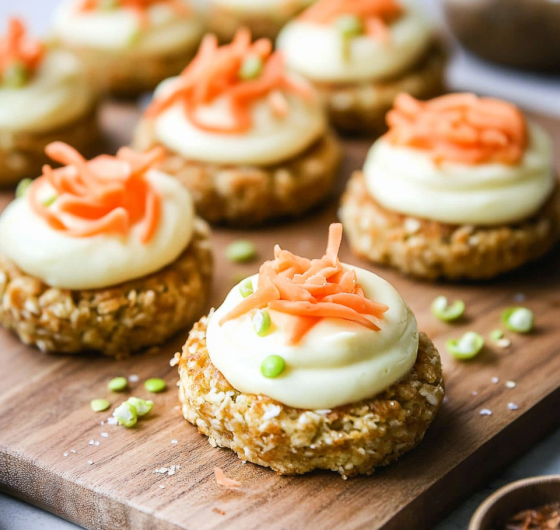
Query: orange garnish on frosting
[[16, 47], [310, 290], [375, 14], [215, 72], [461, 128], [106, 195]]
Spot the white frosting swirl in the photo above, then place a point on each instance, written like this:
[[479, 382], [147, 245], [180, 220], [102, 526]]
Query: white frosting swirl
[[102, 260], [337, 362], [57, 94], [406, 180], [122, 30], [316, 51], [271, 138]]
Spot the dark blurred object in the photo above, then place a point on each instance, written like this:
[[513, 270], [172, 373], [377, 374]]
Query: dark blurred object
[[519, 33]]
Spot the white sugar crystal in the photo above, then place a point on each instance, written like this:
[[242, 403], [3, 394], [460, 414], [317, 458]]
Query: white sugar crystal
[[90, 462], [91, 442], [96, 443], [486, 412], [112, 421], [504, 343], [133, 378], [174, 442], [105, 434], [510, 384], [162, 486], [512, 406], [65, 454], [495, 380]]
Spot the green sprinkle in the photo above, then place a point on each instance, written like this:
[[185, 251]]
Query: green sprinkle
[[442, 310], [142, 407], [15, 76], [108, 5], [134, 38], [273, 366], [155, 385], [246, 288], [349, 26], [126, 414], [497, 334], [99, 405], [251, 68], [467, 347], [117, 384], [262, 322], [518, 319], [22, 187], [241, 251], [49, 201]]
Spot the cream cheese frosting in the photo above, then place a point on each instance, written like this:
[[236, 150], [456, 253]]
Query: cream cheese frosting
[[56, 94], [316, 51], [122, 30], [408, 181], [102, 260], [338, 362], [270, 139]]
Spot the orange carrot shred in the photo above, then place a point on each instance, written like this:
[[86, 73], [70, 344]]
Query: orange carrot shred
[[310, 290], [459, 128], [16, 47], [214, 73], [106, 195], [222, 480]]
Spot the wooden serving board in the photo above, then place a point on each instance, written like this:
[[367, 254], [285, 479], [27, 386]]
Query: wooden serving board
[[45, 412]]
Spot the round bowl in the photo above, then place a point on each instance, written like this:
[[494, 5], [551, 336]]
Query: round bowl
[[513, 498]]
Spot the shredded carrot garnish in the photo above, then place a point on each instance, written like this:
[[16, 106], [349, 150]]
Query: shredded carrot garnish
[[106, 195], [16, 47], [375, 14], [214, 73], [310, 290], [459, 128], [222, 480]]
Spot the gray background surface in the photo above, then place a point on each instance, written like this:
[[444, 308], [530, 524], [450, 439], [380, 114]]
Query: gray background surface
[[537, 93]]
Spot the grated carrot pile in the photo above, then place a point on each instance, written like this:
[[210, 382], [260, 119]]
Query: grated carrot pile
[[310, 290], [16, 47], [106, 195], [375, 14], [459, 128], [215, 73]]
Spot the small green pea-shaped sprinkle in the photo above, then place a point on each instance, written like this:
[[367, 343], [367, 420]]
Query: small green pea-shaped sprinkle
[[246, 288], [262, 322], [15, 76], [108, 5], [117, 384], [49, 201], [251, 68], [518, 319], [126, 414], [241, 251], [496, 334], [142, 406], [467, 347], [99, 405], [155, 385], [273, 366], [23, 187], [349, 26], [445, 311]]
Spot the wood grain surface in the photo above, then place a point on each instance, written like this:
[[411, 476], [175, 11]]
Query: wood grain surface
[[45, 412]]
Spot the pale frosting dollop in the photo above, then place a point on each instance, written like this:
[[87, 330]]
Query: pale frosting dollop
[[316, 51], [56, 94], [122, 30], [102, 260], [285, 7], [336, 363], [408, 181], [271, 138]]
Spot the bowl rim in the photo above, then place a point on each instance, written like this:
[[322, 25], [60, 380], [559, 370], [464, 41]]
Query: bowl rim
[[490, 501]]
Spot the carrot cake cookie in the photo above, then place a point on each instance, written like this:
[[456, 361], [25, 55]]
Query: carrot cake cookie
[[249, 140], [311, 364], [460, 187], [44, 96], [102, 255]]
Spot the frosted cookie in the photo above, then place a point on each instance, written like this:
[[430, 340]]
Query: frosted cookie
[[460, 187], [247, 139], [360, 54], [311, 364], [104, 255]]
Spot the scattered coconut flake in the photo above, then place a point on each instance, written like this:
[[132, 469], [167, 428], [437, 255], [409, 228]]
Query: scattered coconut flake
[[174, 442], [96, 442], [272, 411], [323, 411], [474, 393], [162, 486], [411, 226], [105, 434], [101, 423], [486, 412], [65, 454], [133, 378], [222, 480], [112, 421], [73, 451], [512, 406], [519, 297], [495, 380], [91, 442], [161, 470], [90, 462], [510, 384], [174, 361], [504, 343]]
